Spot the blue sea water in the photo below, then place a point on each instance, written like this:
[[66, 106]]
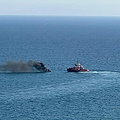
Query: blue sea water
[[59, 42]]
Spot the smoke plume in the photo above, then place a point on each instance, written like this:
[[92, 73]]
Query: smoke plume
[[21, 66]]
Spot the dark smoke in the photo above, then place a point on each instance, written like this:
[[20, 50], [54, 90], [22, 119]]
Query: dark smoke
[[21, 66]]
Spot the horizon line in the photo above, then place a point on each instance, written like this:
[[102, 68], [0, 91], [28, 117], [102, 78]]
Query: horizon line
[[61, 15]]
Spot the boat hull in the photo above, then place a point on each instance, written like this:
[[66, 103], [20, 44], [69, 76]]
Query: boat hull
[[73, 70]]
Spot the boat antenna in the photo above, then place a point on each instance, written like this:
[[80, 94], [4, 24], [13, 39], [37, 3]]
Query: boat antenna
[[77, 59]]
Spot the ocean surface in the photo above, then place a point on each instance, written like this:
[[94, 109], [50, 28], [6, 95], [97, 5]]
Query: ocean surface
[[59, 42]]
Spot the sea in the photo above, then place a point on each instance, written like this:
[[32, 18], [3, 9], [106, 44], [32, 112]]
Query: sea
[[58, 42]]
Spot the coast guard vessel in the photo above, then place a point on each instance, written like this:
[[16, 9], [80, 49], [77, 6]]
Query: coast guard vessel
[[77, 68]]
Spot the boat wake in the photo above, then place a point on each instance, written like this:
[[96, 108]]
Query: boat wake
[[99, 72]]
